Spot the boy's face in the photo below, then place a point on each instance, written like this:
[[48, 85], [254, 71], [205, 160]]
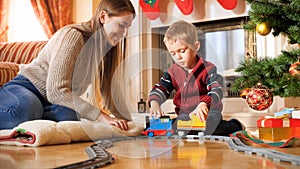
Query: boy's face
[[182, 54]]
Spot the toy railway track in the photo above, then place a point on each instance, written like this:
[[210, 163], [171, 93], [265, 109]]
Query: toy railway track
[[99, 157], [237, 145]]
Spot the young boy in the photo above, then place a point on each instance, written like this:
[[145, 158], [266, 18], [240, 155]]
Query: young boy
[[196, 82]]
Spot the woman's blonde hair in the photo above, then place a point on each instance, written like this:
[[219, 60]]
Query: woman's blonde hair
[[108, 58]]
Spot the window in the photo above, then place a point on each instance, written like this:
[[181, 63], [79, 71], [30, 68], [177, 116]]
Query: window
[[224, 48], [23, 24]]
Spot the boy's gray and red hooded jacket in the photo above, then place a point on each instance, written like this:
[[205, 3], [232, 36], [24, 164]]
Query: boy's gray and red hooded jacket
[[203, 84]]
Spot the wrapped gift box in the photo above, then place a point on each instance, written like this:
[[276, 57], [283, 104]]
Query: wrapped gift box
[[276, 129]]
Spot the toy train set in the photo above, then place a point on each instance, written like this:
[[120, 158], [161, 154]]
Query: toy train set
[[166, 126], [99, 156]]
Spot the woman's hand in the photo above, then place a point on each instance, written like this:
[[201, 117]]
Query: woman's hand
[[120, 123], [155, 109], [201, 111]]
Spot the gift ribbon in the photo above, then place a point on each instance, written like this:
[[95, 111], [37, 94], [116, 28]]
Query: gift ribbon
[[285, 122], [263, 123]]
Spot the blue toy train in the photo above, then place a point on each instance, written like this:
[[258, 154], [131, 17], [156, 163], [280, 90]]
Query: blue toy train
[[159, 126]]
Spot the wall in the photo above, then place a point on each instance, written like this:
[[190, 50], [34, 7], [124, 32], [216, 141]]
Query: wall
[[83, 10]]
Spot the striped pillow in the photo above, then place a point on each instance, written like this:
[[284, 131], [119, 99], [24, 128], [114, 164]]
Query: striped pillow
[[15, 53], [20, 52], [8, 70]]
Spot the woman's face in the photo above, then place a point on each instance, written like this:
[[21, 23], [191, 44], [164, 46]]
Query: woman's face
[[116, 27]]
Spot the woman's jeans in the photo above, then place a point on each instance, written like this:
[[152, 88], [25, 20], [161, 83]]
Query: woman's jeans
[[20, 101]]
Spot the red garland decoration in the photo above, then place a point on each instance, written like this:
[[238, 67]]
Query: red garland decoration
[[152, 11]]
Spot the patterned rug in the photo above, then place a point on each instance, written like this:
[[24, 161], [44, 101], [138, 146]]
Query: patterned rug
[[250, 140]]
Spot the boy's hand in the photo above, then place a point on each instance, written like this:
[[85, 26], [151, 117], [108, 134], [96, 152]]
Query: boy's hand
[[155, 109], [200, 111]]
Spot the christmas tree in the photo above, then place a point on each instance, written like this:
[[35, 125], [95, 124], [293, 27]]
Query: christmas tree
[[281, 73], [281, 15]]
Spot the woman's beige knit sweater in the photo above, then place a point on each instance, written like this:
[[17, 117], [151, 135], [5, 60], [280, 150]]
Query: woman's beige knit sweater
[[52, 71]]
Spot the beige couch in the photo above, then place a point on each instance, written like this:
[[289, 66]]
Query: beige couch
[[15, 53]]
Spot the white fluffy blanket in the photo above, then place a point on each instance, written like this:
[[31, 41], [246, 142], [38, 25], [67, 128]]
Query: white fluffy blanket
[[45, 132]]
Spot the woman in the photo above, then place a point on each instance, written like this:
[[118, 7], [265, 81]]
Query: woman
[[76, 57]]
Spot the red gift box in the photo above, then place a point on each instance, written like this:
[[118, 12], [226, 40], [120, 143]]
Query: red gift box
[[276, 129]]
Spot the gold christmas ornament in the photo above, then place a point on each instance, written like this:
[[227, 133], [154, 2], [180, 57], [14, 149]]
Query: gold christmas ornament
[[263, 28]]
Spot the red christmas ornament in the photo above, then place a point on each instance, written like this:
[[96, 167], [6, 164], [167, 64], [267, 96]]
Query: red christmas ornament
[[228, 4], [185, 6], [295, 69], [259, 97], [150, 8]]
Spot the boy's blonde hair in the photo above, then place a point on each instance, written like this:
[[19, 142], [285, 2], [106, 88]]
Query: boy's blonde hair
[[182, 30]]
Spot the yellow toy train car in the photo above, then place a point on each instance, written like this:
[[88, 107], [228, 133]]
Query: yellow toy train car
[[194, 125]]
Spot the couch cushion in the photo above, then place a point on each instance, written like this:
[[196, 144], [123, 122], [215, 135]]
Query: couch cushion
[[8, 70], [20, 52]]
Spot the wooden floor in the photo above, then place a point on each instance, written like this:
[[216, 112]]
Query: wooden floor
[[152, 153]]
